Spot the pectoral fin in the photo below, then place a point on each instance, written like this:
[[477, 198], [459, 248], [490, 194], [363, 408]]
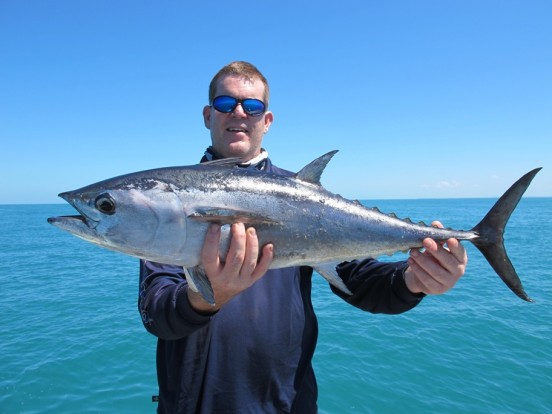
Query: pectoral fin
[[198, 282], [328, 272], [229, 216]]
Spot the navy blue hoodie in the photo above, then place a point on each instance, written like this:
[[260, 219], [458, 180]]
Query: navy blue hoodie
[[254, 355]]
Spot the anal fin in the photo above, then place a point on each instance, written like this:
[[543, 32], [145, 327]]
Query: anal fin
[[328, 272]]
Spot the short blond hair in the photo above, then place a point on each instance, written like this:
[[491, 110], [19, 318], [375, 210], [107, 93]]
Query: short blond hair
[[242, 69]]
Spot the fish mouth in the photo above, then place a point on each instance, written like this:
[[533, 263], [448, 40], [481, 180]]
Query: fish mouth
[[77, 221], [53, 220], [74, 220]]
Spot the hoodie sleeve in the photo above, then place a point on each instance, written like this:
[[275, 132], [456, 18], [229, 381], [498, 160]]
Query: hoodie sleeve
[[163, 302], [377, 287]]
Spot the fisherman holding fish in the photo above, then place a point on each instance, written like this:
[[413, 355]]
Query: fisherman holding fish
[[251, 351], [228, 248]]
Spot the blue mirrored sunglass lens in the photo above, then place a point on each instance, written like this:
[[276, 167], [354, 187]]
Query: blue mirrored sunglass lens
[[225, 104], [253, 106]]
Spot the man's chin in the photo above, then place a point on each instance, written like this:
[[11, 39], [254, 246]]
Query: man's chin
[[237, 150]]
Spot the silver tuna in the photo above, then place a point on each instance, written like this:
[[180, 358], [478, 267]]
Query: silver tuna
[[163, 215]]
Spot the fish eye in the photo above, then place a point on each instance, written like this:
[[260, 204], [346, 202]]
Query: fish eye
[[105, 204]]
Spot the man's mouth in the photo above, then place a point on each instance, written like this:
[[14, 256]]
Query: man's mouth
[[236, 129]]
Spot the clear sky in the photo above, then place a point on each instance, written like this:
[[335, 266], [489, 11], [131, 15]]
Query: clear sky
[[423, 99]]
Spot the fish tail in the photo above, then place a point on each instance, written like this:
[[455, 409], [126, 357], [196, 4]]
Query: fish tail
[[491, 234]]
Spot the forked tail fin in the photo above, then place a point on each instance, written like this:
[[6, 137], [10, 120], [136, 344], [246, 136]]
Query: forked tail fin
[[491, 234]]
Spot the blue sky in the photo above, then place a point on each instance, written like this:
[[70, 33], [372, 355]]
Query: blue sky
[[423, 99]]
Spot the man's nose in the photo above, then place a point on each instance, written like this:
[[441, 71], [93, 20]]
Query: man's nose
[[238, 111]]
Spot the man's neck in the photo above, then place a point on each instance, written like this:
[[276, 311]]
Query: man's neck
[[256, 162]]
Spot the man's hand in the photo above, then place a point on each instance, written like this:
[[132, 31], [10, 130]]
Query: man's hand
[[438, 268], [241, 268]]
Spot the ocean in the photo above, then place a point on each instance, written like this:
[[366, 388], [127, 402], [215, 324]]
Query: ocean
[[71, 339]]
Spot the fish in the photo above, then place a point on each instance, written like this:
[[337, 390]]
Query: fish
[[163, 214]]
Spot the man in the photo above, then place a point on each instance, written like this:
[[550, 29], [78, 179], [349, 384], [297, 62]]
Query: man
[[252, 351]]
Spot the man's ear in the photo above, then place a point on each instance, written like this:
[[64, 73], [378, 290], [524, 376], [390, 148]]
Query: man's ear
[[268, 119], [207, 116]]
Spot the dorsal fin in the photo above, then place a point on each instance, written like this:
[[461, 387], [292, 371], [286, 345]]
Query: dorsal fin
[[312, 172]]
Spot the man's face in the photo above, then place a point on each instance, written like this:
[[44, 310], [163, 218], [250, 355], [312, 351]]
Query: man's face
[[237, 134]]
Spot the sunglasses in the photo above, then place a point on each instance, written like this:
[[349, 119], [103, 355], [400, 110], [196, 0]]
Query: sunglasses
[[228, 104]]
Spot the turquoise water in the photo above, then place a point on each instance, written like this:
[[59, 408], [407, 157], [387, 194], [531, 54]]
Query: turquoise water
[[72, 340]]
